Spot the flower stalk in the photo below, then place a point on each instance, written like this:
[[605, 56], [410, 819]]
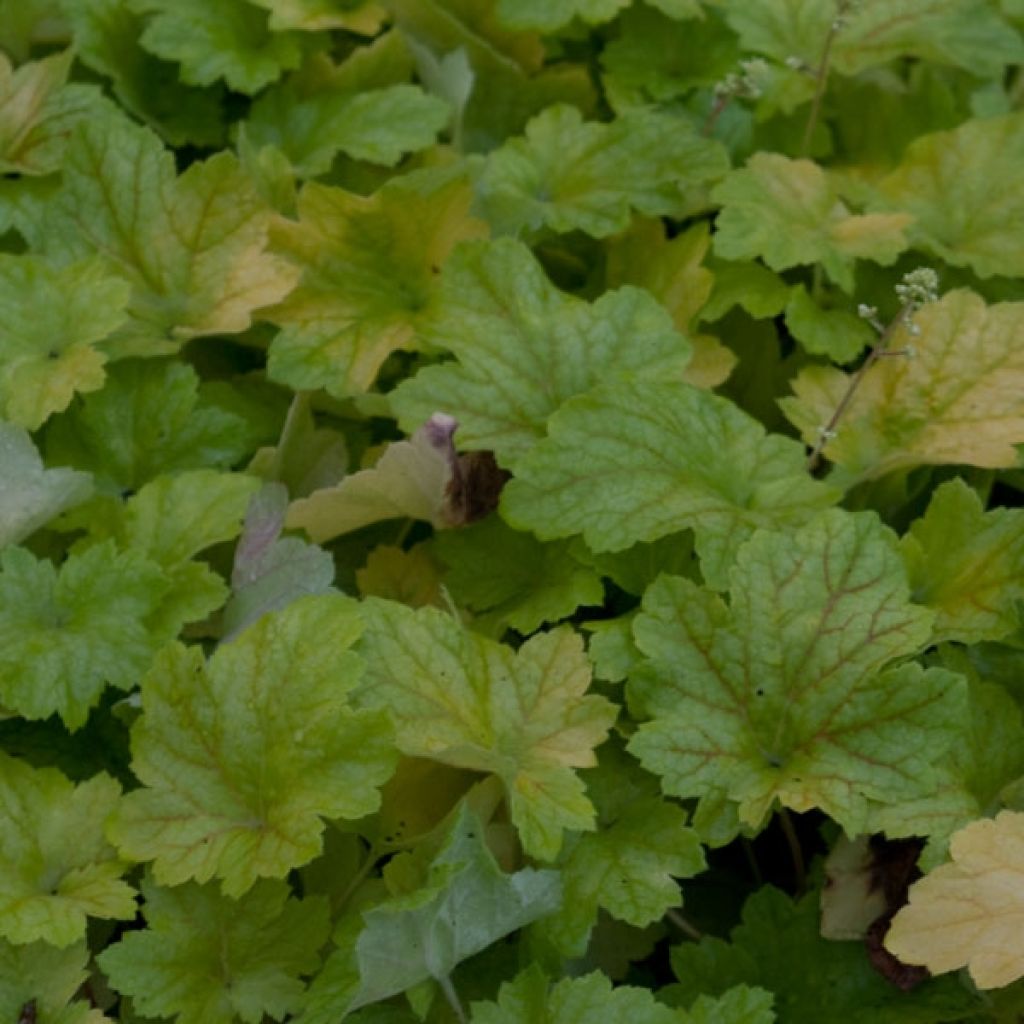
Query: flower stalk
[[917, 288]]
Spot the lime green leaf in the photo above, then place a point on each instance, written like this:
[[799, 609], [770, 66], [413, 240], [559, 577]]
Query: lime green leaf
[[379, 125], [411, 479], [48, 977], [173, 518], [230, 40], [967, 564], [369, 267], [568, 174], [741, 1004], [466, 904], [37, 111], [410, 577], [629, 865], [960, 188], [611, 648], [788, 213], [660, 457], [269, 571], [147, 420], [750, 286], [987, 757], [241, 758], [56, 868], [464, 700], [531, 999], [52, 319], [526, 582], [672, 271], [209, 958], [795, 692], [193, 247], [958, 400], [106, 35], [835, 333], [963, 33], [32, 495], [523, 348], [65, 634]]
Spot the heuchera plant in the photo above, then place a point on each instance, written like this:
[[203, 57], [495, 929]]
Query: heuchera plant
[[510, 511]]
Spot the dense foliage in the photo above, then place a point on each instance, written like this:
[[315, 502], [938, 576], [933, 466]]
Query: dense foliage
[[510, 511]]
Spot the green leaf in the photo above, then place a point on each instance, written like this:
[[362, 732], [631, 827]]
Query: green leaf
[[958, 400], [174, 518], [550, 15], [241, 759], [835, 333], [797, 691], [37, 111], [369, 267], [48, 977], [363, 107], [567, 174], [629, 865], [778, 946], [511, 81], [660, 457], [526, 582], [66, 634], [147, 420], [963, 33], [193, 247], [967, 564], [531, 999], [751, 286], [205, 957], [523, 348], [464, 700], [361, 16], [230, 41], [466, 904], [657, 58], [960, 188], [32, 494], [788, 213], [52, 320], [56, 867], [106, 35]]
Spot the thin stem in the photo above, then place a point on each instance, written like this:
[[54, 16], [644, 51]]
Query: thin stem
[[721, 102], [683, 925], [453, 998], [755, 868], [821, 77], [880, 349], [358, 878], [795, 850]]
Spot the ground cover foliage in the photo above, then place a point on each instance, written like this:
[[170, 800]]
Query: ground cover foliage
[[510, 511]]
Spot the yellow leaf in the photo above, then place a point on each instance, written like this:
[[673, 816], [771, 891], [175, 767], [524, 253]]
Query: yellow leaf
[[970, 912], [958, 400]]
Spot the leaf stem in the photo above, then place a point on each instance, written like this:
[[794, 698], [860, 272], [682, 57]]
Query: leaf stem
[[453, 998], [293, 422], [357, 879], [795, 850], [879, 349], [680, 922]]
